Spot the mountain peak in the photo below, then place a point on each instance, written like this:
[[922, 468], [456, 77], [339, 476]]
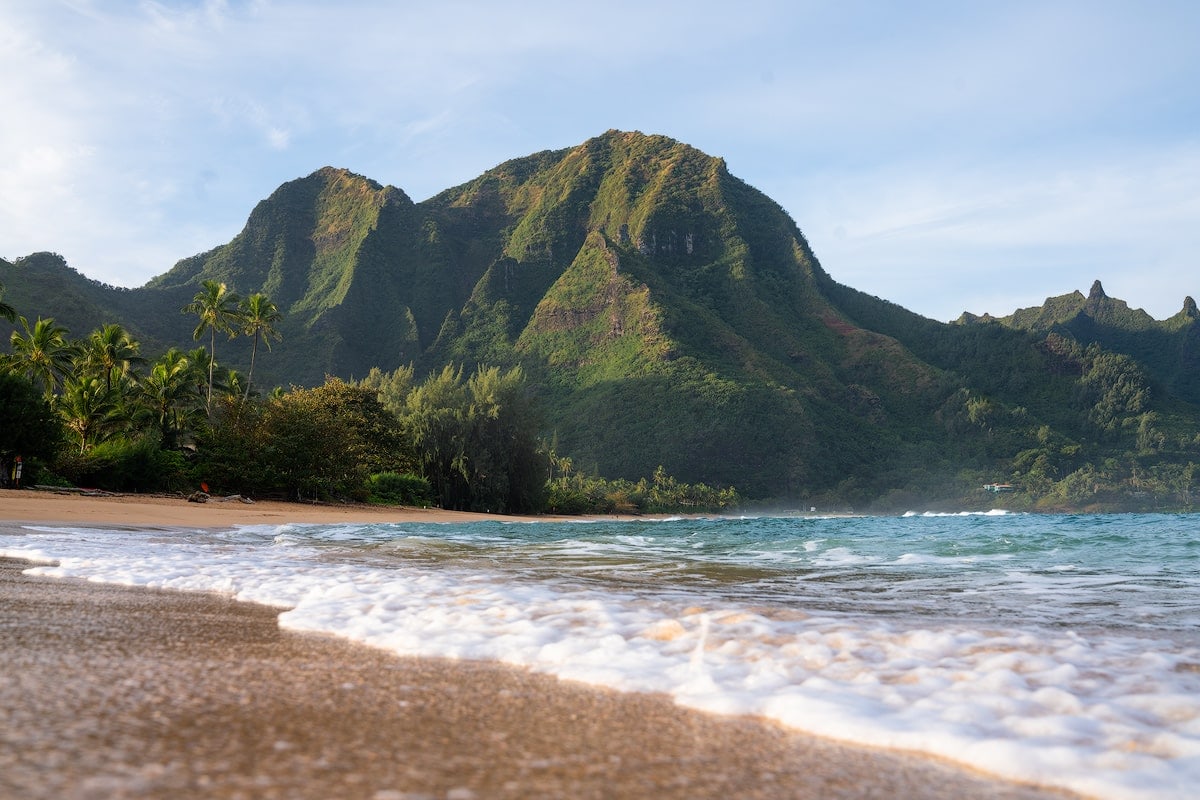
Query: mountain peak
[[667, 313]]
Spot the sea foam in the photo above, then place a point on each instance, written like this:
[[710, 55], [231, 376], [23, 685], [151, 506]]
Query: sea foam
[[1107, 712]]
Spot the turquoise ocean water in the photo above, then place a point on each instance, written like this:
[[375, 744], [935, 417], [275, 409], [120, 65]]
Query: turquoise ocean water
[[1058, 649]]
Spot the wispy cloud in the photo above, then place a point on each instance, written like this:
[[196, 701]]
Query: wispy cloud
[[923, 148], [1005, 234]]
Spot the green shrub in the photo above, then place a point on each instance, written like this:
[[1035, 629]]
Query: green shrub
[[570, 501], [125, 465], [394, 488]]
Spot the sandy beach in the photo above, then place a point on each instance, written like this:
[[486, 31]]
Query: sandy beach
[[114, 692], [27, 505]]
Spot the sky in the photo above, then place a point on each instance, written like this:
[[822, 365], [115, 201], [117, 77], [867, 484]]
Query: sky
[[947, 156]]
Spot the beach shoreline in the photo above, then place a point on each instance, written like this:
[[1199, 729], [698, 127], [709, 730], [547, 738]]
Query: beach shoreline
[[134, 692], [74, 507]]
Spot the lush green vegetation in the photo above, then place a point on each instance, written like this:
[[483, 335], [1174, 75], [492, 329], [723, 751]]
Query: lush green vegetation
[[1064, 420], [634, 303], [307, 444], [571, 492], [29, 429], [86, 413]]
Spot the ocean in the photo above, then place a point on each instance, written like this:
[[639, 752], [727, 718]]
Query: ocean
[[1058, 649]]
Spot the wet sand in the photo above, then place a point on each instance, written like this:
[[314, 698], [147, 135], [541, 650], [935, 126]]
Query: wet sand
[[118, 692]]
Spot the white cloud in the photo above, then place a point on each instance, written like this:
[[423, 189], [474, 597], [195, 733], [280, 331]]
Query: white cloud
[[941, 241], [279, 138], [947, 144]]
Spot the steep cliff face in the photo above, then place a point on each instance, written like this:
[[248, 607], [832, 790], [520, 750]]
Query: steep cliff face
[[323, 249], [670, 313], [667, 313], [1169, 349]]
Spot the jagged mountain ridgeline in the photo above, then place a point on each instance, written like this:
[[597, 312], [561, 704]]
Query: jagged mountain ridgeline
[[669, 314]]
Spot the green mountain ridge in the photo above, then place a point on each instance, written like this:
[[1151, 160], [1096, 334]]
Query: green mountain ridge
[[668, 314], [1169, 349]]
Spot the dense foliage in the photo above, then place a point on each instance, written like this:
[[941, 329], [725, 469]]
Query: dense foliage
[[476, 441], [306, 444], [85, 413], [29, 428], [571, 492], [660, 311]]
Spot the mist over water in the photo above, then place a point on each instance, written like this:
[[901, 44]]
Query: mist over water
[[1058, 649]]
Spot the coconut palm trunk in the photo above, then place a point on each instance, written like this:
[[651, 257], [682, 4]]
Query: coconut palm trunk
[[217, 309], [259, 317]]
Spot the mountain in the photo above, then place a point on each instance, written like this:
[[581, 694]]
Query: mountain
[[42, 284], [667, 313], [1169, 349], [331, 250]]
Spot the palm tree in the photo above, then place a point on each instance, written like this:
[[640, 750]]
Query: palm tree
[[259, 318], [111, 349], [6, 311], [88, 408], [200, 366], [216, 307], [169, 394], [235, 383], [44, 353]]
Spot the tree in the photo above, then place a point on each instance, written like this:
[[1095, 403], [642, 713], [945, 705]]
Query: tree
[[168, 395], [235, 384], [435, 424], [6, 311], [88, 408], [506, 462], [476, 440], [43, 353], [259, 316], [29, 428], [201, 366], [305, 444], [235, 450], [329, 439], [216, 308], [393, 387], [111, 349]]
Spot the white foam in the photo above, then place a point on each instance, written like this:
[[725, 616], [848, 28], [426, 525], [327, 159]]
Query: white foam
[[840, 556], [995, 512], [1112, 717]]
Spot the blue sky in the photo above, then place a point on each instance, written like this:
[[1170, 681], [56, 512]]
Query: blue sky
[[947, 156]]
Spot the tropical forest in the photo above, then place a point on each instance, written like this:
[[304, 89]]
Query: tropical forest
[[617, 327]]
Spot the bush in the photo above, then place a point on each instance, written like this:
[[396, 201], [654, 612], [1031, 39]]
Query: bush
[[394, 488], [124, 465], [29, 428], [326, 441], [570, 501], [309, 444]]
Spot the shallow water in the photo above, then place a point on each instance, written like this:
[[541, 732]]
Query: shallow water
[[1058, 649]]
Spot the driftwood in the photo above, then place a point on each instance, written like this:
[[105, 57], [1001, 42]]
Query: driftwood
[[204, 497], [194, 497], [74, 490]]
